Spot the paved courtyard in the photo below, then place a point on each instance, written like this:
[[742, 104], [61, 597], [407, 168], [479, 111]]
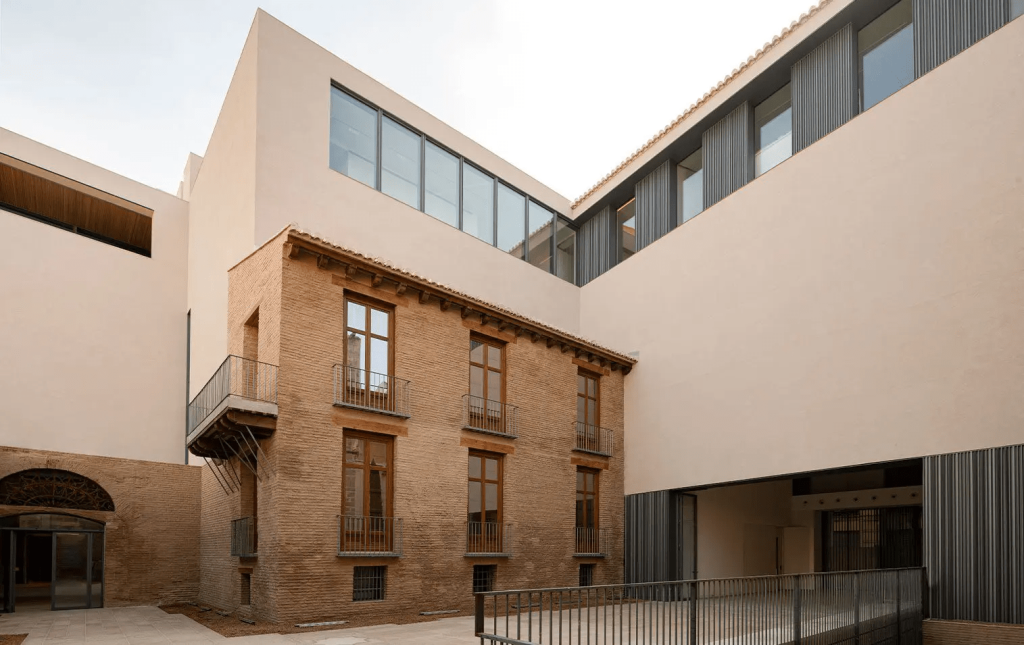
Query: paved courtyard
[[151, 626]]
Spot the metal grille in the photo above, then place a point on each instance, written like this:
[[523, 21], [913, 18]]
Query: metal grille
[[594, 246], [974, 527], [728, 155], [366, 390], [364, 535], [654, 205], [824, 88], [54, 489], [872, 538], [586, 575], [818, 608], [368, 583], [944, 28], [483, 577]]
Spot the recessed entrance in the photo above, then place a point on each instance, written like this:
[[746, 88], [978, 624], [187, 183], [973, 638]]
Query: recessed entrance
[[49, 562]]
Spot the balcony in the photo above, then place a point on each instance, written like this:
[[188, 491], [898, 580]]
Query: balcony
[[362, 536], [243, 537], [236, 407], [594, 439], [364, 390], [591, 543], [488, 539], [491, 417]]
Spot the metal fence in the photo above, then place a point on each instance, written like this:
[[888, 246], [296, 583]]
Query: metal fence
[[236, 376], [493, 417], [863, 607], [591, 541], [488, 538], [363, 535], [366, 390], [243, 537], [595, 439]]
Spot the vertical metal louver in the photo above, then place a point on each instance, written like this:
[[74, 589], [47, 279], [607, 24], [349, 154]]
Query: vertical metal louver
[[944, 28], [654, 212], [824, 88], [594, 246], [648, 540], [728, 151], [974, 535]]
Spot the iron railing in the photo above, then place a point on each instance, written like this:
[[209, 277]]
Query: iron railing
[[492, 417], [814, 608], [369, 536], [595, 439], [243, 537], [590, 541], [488, 539], [236, 376], [366, 390]]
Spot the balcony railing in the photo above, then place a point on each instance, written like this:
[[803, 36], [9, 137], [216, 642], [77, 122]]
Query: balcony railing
[[361, 536], [488, 539], [243, 537], [492, 417], [236, 376], [823, 608], [594, 439], [365, 390], [591, 542]]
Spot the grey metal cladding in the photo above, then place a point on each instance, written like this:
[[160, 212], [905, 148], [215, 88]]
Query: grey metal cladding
[[648, 537], [728, 154], [594, 246], [974, 535], [824, 88], [944, 28], [654, 205]]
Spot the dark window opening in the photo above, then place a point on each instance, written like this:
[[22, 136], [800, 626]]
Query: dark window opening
[[483, 577], [586, 575], [368, 583], [246, 595]]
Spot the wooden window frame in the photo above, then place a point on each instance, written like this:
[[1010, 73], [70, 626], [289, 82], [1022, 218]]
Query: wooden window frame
[[586, 374], [383, 532], [370, 303], [596, 493], [482, 481], [495, 344]]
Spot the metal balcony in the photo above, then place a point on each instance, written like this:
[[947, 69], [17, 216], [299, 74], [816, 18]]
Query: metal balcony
[[236, 407], [488, 539], [363, 536], [365, 390], [491, 417], [594, 439], [591, 542], [243, 537]]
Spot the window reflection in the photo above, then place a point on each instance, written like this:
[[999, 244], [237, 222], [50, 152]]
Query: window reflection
[[353, 138], [691, 186], [773, 131], [478, 204], [541, 222], [511, 221], [400, 163], [626, 218], [886, 48], [565, 253], [442, 185]]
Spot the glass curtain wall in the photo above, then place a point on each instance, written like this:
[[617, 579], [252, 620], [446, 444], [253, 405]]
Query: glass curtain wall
[[511, 221], [1016, 8], [353, 138], [773, 131], [690, 177], [565, 252], [541, 224], [886, 48], [400, 163], [477, 204], [626, 229], [441, 180]]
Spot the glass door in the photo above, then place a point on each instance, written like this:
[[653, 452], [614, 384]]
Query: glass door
[[72, 568]]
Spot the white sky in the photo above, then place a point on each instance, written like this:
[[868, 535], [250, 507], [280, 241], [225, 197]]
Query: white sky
[[564, 89]]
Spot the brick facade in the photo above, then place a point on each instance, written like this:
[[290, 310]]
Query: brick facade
[[151, 555], [298, 574], [949, 632]]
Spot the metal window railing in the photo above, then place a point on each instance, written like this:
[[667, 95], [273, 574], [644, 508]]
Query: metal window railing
[[369, 536], [243, 537], [594, 439], [366, 390], [488, 538], [591, 541], [492, 417], [882, 606], [236, 376]]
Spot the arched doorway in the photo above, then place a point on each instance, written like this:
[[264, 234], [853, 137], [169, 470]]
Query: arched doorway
[[51, 560]]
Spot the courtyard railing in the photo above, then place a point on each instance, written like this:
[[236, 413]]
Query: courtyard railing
[[236, 376], [884, 606], [372, 391]]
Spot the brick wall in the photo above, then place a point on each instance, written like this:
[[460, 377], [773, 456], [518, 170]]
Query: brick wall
[[298, 575], [949, 632], [151, 553]]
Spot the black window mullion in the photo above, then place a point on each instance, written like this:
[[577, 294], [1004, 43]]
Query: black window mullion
[[380, 145], [423, 173]]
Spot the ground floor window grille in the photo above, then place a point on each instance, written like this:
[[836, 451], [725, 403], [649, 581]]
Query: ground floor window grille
[[246, 598], [872, 538], [368, 583], [586, 575], [483, 577]]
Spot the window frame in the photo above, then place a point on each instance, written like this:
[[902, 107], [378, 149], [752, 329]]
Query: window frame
[[596, 493], [492, 343], [590, 376], [862, 53], [367, 469], [620, 236], [372, 573], [483, 481], [765, 119], [370, 304]]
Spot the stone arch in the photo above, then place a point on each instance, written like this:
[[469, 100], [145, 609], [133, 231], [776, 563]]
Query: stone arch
[[53, 488]]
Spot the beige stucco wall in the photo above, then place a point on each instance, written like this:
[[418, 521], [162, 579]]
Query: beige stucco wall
[[861, 302], [294, 184], [93, 336]]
